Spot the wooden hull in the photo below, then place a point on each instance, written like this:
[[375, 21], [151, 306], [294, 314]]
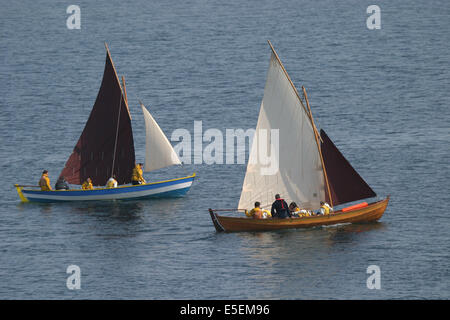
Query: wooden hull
[[372, 212], [160, 189]]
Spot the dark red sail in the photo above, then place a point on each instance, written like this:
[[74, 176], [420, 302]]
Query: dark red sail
[[346, 185], [93, 154]]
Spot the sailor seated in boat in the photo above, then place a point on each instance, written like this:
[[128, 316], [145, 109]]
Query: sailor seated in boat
[[325, 209], [44, 182], [61, 184], [294, 210], [112, 182], [307, 213], [280, 208], [87, 185], [137, 177], [257, 212]]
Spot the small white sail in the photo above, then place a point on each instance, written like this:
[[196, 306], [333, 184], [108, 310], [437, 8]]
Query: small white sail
[[300, 175], [158, 150]]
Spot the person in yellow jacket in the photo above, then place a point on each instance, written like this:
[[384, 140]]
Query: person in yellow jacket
[[112, 182], [294, 209], [87, 185], [136, 176], [44, 182], [325, 208], [257, 212]]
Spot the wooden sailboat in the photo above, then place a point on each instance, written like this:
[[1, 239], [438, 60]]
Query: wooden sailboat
[[106, 147], [311, 169]]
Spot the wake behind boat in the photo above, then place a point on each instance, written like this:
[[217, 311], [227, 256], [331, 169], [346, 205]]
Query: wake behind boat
[[106, 148], [311, 169]]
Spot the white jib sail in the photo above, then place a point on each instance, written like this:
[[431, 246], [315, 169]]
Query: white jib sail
[[158, 150], [300, 175]]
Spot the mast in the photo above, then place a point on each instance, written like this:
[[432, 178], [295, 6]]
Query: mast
[[124, 90], [117, 77], [117, 134], [318, 145]]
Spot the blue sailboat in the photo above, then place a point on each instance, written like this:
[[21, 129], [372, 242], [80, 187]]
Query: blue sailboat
[[106, 148]]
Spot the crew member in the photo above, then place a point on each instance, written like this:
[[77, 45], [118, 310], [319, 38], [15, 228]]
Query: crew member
[[257, 212], [44, 182], [112, 182], [280, 208], [325, 208], [87, 185], [61, 184], [294, 209], [136, 177]]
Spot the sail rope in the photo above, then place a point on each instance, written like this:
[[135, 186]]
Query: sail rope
[[117, 133]]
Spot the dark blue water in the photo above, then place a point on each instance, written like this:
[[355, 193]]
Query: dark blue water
[[382, 95]]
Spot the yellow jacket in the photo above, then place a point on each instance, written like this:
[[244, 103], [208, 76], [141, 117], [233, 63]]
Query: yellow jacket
[[44, 183], [137, 174], [325, 209], [112, 183], [87, 186], [264, 213]]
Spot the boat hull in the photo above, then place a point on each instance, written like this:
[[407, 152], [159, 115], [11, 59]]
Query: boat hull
[[161, 189], [370, 213]]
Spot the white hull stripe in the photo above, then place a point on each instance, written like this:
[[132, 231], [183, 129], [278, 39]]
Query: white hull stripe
[[124, 195]]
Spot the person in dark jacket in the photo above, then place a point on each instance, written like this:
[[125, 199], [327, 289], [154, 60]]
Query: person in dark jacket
[[61, 184], [280, 208]]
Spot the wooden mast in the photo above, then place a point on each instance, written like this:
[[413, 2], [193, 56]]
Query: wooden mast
[[316, 134], [122, 95], [124, 89]]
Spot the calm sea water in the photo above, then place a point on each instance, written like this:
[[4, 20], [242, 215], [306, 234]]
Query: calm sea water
[[382, 95]]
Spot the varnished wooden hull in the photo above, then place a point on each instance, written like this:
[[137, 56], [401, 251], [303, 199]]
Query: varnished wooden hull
[[372, 212]]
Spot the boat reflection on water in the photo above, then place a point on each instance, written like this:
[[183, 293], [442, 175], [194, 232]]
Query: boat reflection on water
[[334, 232], [349, 233], [116, 209], [304, 244]]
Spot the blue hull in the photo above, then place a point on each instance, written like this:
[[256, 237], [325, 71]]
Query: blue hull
[[162, 189]]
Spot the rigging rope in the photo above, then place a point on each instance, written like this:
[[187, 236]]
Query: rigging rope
[[117, 132]]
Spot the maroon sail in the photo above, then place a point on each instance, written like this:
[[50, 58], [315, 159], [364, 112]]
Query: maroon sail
[[107, 132], [346, 185]]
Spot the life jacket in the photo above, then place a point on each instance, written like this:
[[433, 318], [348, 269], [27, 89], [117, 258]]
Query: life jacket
[[266, 214], [257, 213], [87, 186], [326, 209], [254, 211], [137, 174], [112, 183], [44, 183]]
